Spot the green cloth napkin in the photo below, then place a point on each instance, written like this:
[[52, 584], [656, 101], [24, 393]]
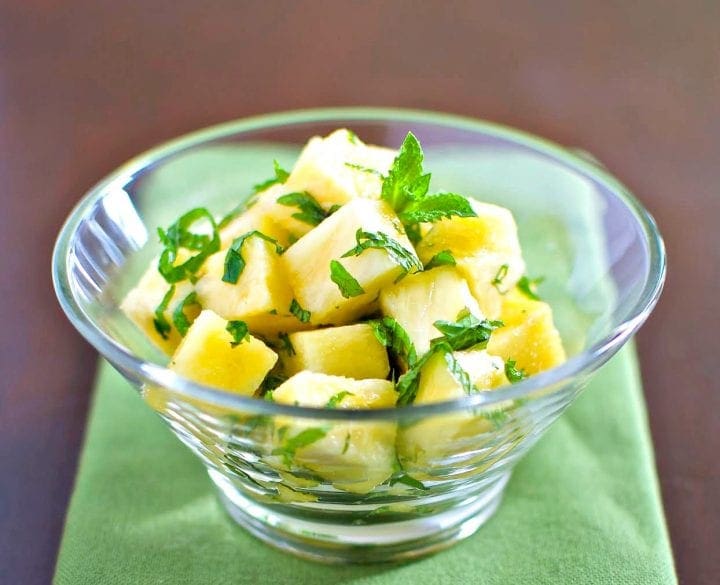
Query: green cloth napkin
[[582, 507]]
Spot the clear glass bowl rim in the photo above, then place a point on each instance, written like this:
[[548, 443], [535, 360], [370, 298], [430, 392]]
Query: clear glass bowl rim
[[582, 363]]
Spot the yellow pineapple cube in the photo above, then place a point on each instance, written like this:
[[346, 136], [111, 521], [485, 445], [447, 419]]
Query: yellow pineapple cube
[[307, 262], [425, 446], [207, 355], [354, 456], [486, 248], [418, 300], [338, 168], [142, 301], [352, 351], [256, 218], [529, 336]]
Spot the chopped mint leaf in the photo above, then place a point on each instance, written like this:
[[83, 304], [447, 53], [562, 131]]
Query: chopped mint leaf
[[466, 332], [234, 261], [457, 371], [393, 336], [310, 210], [403, 257], [408, 480], [268, 396], [333, 208], [161, 323], [433, 208], [352, 137], [405, 180], [304, 438], [363, 169], [239, 331], [349, 287], [281, 176], [408, 384], [528, 286], [302, 315], [180, 318], [285, 344], [499, 277], [336, 399], [177, 236], [444, 258], [346, 444], [513, 373], [271, 382]]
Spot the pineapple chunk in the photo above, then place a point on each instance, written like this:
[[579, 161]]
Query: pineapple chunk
[[354, 456], [142, 301], [351, 351], [280, 215], [481, 245], [529, 336], [426, 444], [256, 218], [261, 297], [206, 355], [419, 300], [307, 262], [323, 170]]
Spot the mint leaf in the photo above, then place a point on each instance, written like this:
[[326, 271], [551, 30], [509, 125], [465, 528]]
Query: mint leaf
[[457, 371], [177, 236], [405, 180], [302, 315], [514, 374], [234, 260], [408, 384], [239, 331], [160, 322], [180, 319], [433, 208], [528, 286], [363, 169], [403, 257], [349, 287], [304, 438], [407, 480], [393, 336], [444, 258], [499, 277], [336, 399], [281, 176], [468, 331], [310, 210]]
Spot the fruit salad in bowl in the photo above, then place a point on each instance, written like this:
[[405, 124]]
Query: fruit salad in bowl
[[360, 344]]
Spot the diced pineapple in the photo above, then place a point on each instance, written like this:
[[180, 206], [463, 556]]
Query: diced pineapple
[[418, 300], [261, 297], [482, 246], [266, 205], [352, 351], [141, 303], [354, 456], [256, 218], [529, 336], [425, 446], [206, 355], [339, 168], [307, 262]]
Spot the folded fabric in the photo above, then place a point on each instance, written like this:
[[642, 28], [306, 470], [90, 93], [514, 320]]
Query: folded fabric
[[582, 507]]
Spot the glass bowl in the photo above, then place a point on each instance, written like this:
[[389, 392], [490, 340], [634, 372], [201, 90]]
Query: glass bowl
[[388, 484]]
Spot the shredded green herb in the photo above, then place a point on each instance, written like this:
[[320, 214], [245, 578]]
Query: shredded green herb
[[179, 235], [301, 314], [528, 286], [234, 260], [239, 331], [310, 212], [444, 258], [349, 287], [162, 326], [180, 318]]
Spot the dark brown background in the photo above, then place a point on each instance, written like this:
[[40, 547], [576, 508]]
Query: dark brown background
[[86, 85]]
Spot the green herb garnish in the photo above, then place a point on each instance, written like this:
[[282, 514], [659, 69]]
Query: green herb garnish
[[363, 169], [444, 258], [180, 319], [302, 315], [178, 236], [513, 373], [393, 336], [407, 480], [432, 208], [285, 344], [239, 331], [302, 439], [349, 287], [161, 323], [466, 332], [234, 261], [346, 444], [499, 277], [403, 257], [281, 176], [310, 210], [528, 286], [336, 399]]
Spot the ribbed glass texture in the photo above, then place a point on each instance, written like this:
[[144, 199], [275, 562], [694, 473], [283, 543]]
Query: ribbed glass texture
[[414, 479]]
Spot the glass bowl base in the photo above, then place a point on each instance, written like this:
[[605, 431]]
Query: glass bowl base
[[335, 543]]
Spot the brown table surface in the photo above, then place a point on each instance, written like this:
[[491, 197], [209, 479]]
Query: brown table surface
[[86, 85]]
